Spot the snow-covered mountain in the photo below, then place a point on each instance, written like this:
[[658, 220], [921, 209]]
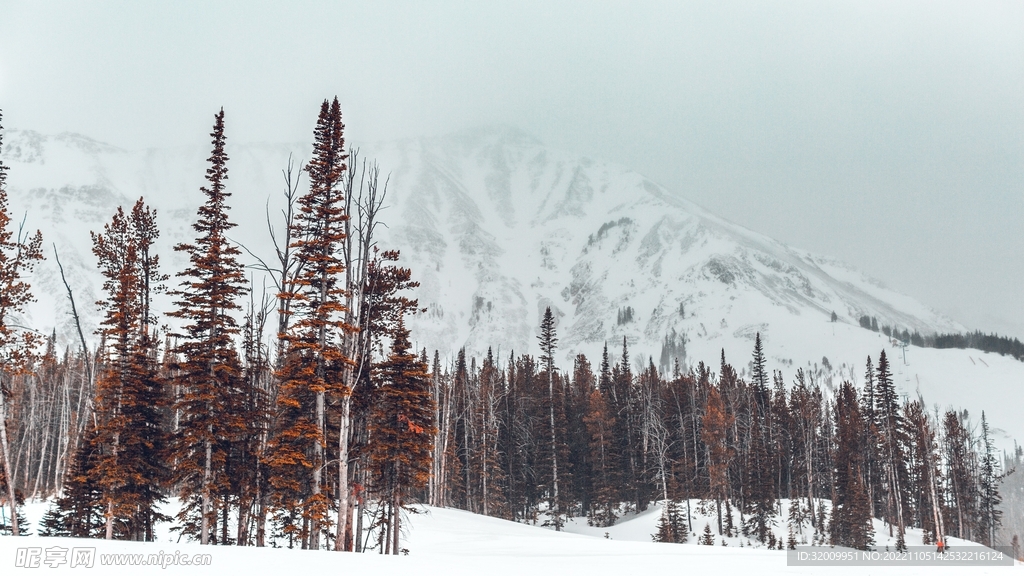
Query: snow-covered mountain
[[496, 227]]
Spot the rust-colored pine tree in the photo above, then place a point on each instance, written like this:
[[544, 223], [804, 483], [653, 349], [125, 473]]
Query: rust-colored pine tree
[[402, 429], [209, 377], [18, 256], [130, 467], [600, 423], [714, 427], [312, 370]]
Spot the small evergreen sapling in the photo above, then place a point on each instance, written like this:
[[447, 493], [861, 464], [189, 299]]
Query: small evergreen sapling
[[707, 538], [671, 526]]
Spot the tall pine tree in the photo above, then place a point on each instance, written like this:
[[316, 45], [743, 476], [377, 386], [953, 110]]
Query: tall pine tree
[[314, 364], [209, 378], [851, 519], [548, 343], [131, 467]]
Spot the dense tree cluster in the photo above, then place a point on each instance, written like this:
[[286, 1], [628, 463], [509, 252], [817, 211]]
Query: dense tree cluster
[[627, 436], [242, 429]]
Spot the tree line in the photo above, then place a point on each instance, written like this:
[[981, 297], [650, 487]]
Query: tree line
[[525, 443], [977, 340]]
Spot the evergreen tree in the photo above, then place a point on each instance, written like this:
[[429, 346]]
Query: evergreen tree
[[715, 424], [402, 427], [988, 483], [893, 434], [707, 538], [314, 365], [78, 512], [600, 425], [759, 478], [962, 488], [604, 381], [209, 379], [760, 375], [548, 342], [671, 526], [781, 442], [872, 444], [131, 467], [851, 520], [627, 407]]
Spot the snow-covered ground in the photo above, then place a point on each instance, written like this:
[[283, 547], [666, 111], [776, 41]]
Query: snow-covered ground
[[451, 542]]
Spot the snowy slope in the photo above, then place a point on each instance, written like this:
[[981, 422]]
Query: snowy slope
[[453, 542], [496, 227]]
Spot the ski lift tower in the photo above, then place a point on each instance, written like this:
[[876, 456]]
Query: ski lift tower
[[904, 344]]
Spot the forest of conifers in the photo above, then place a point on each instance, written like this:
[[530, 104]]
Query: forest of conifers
[[307, 419]]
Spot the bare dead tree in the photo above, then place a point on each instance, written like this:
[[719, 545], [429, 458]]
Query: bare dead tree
[[283, 273], [367, 199], [82, 396], [287, 268]]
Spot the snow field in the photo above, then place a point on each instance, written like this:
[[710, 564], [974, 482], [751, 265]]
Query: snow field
[[454, 542]]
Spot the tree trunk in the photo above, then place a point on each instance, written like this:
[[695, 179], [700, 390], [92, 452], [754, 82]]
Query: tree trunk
[[204, 535], [359, 523], [261, 516], [242, 534], [718, 505], [809, 455], [389, 511], [110, 503], [397, 515], [8, 476], [224, 524], [110, 521], [343, 488], [554, 451], [318, 467], [347, 533]]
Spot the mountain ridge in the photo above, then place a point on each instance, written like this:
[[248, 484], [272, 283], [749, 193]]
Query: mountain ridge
[[458, 191]]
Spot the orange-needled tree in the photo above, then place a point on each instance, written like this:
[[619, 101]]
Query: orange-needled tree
[[312, 371], [130, 464], [209, 376]]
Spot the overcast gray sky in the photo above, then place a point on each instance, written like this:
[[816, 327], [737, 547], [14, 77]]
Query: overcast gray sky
[[887, 134]]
